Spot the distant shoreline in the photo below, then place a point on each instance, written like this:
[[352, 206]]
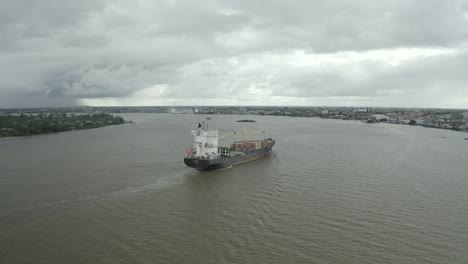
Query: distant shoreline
[[447, 119]]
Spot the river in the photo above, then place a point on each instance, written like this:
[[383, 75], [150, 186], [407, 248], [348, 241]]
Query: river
[[331, 191]]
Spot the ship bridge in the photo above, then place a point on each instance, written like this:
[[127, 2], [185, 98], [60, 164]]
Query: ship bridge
[[205, 142]]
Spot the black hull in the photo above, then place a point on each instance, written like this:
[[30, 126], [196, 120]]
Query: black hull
[[205, 164]]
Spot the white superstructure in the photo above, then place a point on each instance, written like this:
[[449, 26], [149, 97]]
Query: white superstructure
[[205, 142]]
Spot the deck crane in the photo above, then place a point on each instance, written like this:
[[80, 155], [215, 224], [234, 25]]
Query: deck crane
[[245, 133], [227, 134]]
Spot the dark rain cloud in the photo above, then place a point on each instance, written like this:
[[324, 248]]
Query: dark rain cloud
[[59, 52]]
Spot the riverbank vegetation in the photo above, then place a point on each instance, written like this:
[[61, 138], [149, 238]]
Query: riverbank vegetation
[[25, 125]]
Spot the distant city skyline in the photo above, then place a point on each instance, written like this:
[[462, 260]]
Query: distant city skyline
[[248, 53]]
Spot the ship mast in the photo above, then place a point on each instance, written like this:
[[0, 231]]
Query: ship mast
[[244, 134]]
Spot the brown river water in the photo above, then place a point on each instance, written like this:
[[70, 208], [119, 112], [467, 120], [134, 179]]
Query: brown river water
[[331, 191]]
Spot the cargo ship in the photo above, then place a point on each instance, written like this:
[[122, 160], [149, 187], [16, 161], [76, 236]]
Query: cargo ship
[[206, 154]]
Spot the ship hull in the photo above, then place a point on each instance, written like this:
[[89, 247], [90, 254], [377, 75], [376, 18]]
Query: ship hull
[[210, 164]]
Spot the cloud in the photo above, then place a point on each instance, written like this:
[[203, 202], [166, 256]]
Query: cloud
[[403, 53]]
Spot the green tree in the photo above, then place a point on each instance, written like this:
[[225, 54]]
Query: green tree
[[412, 122]]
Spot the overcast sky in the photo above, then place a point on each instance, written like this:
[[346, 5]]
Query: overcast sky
[[243, 52]]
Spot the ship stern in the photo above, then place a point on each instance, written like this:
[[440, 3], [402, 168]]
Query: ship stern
[[198, 164]]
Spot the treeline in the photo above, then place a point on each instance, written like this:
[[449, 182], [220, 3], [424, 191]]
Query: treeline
[[24, 125]]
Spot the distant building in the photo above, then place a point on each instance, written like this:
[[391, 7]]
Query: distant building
[[361, 110], [380, 117], [465, 117]]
